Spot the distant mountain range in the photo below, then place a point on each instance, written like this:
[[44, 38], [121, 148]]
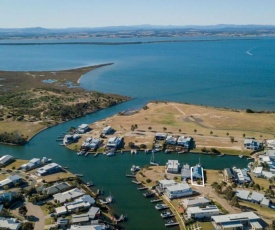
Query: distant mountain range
[[223, 27]]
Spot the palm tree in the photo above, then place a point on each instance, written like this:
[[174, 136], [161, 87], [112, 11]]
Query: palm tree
[[244, 135]]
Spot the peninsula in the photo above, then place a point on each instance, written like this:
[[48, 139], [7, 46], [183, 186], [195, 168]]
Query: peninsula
[[34, 100], [219, 129]]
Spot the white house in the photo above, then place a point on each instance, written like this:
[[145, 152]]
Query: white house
[[237, 221], [160, 136], [200, 213], [243, 194], [166, 183], [271, 154], [170, 140], [65, 196], [9, 223], [252, 144], [107, 130], [83, 128], [185, 172], [242, 176], [113, 142], [184, 141], [61, 210], [173, 166], [178, 190], [10, 181], [6, 159], [49, 169], [195, 202], [270, 144], [257, 171]]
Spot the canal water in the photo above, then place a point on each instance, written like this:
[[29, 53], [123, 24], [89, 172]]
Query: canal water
[[108, 173]]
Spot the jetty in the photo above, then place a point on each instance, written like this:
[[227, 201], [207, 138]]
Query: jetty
[[156, 200], [142, 188], [96, 154], [136, 182], [130, 175], [79, 175]]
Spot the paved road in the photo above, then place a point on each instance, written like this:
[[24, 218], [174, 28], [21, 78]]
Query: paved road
[[208, 192], [38, 215]]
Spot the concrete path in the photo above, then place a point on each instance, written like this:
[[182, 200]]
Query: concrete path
[[37, 214]]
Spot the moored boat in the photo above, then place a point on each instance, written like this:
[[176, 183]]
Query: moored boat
[[135, 168], [148, 194], [161, 206], [111, 153], [167, 214], [169, 223]]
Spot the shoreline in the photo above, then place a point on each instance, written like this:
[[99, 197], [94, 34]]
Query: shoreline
[[95, 67]]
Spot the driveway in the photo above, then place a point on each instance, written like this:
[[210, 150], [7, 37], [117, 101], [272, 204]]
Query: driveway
[[36, 215]]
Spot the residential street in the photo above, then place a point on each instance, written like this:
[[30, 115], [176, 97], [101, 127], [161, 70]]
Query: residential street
[[37, 215]]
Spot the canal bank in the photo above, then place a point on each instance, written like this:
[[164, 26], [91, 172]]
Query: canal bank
[[108, 173]]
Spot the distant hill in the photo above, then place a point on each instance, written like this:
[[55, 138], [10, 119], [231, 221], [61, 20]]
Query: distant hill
[[137, 31]]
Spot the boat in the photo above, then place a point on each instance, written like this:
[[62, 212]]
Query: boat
[[90, 183], [168, 151], [240, 156], [152, 160], [79, 175], [155, 150], [221, 155], [80, 153], [161, 206], [120, 219], [108, 200], [169, 223], [155, 200], [167, 214], [135, 168], [148, 194], [111, 153]]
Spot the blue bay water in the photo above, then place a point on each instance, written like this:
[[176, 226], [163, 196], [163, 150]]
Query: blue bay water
[[220, 73]]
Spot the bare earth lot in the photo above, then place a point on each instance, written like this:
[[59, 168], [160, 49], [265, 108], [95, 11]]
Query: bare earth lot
[[210, 127]]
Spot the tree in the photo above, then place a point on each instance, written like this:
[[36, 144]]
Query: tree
[[164, 128], [143, 146], [149, 128], [195, 131], [179, 130], [27, 226], [232, 139], [23, 210], [211, 132], [136, 126], [131, 144], [227, 134], [132, 127], [244, 135], [235, 202]]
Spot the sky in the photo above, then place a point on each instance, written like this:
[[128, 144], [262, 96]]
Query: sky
[[100, 13]]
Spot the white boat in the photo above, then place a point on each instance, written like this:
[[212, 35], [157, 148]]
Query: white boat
[[240, 156], [152, 161], [161, 206], [111, 153], [135, 168], [221, 155], [167, 214], [169, 223]]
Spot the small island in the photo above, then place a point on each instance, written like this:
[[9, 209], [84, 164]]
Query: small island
[[34, 100]]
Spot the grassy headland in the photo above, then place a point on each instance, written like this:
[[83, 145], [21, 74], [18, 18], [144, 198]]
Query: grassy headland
[[222, 129], [29, 105]]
